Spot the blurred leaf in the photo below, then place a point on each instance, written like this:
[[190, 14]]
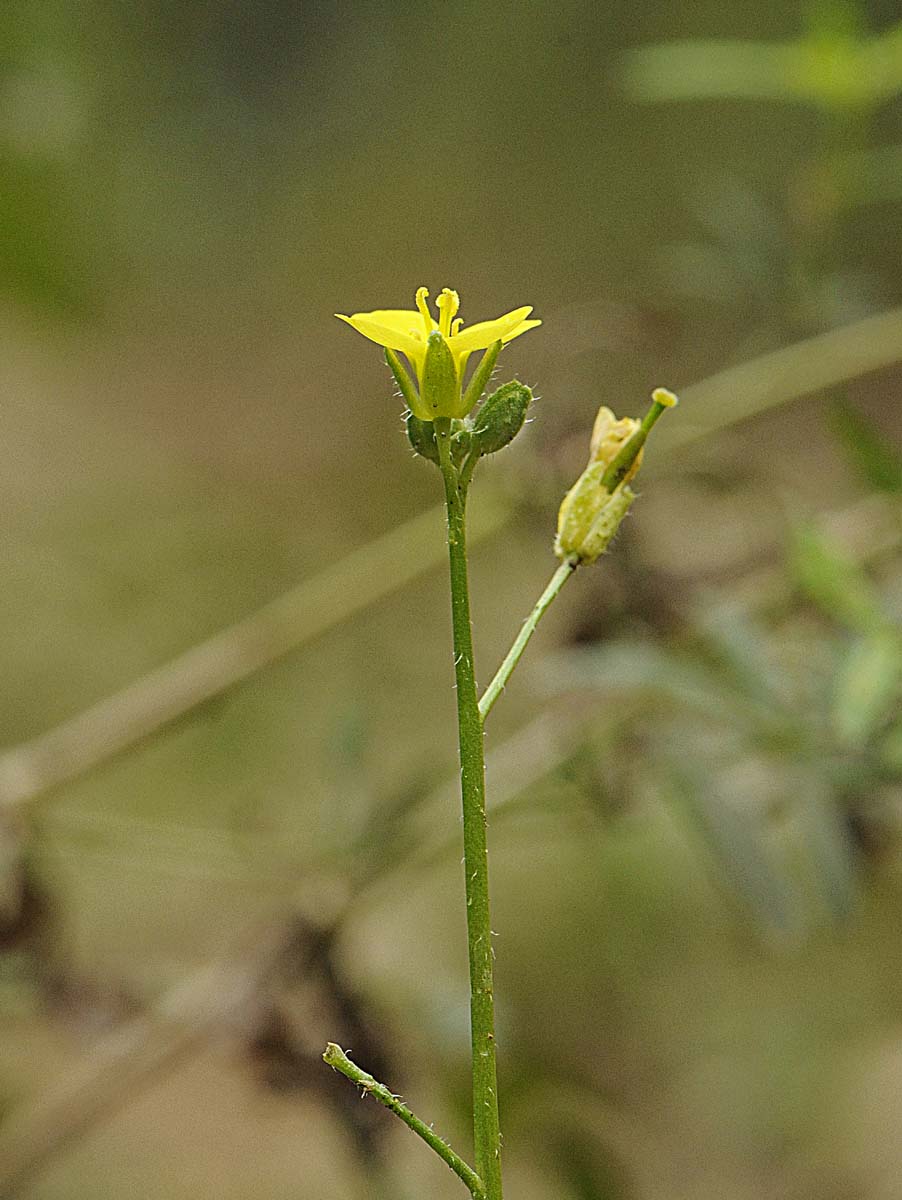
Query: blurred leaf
[[748, 233], [836, 18], [672, 676], [737, 850], [830, 68], [878, 461], [830, 853], [836, 584], [709, 69], [869, 176], [867, 687], [347, 747], [882, 59], [740, 649], [634, 665], [700, 272], [891, 750], [735, 215], [589, 1173], [42, 259]]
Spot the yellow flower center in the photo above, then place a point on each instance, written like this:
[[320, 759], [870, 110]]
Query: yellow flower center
[[448, 322]]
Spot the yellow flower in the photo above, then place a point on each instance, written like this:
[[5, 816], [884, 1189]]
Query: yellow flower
[[411, 332]]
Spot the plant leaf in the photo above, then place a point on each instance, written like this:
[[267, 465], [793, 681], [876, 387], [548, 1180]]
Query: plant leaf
[[878, 462], [836, 584], [867, 687]]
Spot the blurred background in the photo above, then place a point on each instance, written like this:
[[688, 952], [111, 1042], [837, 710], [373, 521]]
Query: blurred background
[[229, 829]]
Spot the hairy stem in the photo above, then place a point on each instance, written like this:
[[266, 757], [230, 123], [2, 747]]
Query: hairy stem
[[336, 1058], [486, 1129], [504, 672]]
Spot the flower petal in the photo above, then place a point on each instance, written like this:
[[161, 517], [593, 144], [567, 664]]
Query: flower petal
[[385, 335], [405, 320], [481, 335], [523, 327]]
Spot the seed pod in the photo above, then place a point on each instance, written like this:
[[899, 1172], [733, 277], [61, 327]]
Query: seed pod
[[501, 417], [590, 516]]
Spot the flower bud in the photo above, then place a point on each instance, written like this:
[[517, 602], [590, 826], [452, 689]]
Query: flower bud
[[421, 435], [501, 417], [461, 443]]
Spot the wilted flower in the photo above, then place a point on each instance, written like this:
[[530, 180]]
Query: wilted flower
[[595, 506]]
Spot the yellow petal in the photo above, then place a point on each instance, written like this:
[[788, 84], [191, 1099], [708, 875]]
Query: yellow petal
[[523, 327], [383, 334], [481, 335], [403, 322]]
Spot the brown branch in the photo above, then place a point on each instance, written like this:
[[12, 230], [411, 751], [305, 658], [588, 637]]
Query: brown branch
[[345, 588], [135, 1054]]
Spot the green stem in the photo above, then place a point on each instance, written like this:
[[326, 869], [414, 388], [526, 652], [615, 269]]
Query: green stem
[[336, 1058], [486, 1128], [504, 672]]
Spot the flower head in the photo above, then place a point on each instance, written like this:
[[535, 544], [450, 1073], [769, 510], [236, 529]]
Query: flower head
[[438, 350]]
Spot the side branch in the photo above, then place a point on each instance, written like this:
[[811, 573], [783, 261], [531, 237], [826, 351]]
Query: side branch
[[504, 672], [339, 1061]]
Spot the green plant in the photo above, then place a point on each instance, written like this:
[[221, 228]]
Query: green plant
[[441, 429], [782, 253]]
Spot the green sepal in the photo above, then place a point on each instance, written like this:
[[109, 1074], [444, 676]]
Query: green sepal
[[403, 380], [480, 378], [441, 387], [501, 417], [421, 435]]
